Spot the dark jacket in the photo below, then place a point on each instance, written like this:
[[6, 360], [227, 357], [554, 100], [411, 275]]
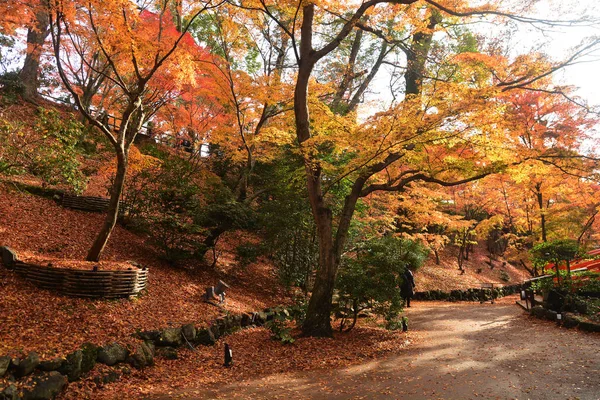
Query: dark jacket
[[408, 284]]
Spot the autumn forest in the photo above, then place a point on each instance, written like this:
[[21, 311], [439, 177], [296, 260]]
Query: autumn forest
[[177, 174]]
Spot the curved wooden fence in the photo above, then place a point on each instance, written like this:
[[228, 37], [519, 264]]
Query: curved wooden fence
[[81, 283], [86, 203]]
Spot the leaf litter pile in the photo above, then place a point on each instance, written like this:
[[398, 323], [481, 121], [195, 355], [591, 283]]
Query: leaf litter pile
[[38, 320]]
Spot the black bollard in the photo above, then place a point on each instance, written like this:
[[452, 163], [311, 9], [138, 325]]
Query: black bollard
[[228, 356]]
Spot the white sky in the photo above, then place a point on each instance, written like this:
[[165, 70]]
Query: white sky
[[557, 42]]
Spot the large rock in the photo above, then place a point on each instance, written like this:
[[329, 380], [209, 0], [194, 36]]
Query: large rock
[[45, 387], [233, 323], [27, 365], [112, 353], [246, 319], [569, 320], [52, 365], [205, 337], [188, 333], [90, 354], [149, 335], [170, 353], [9, 257], [216, 330], [538, 311], [9, 393], [551, 315], [169, 337], [109, 377], [260, 318], [72, 366], [4, 364], [143, 356]]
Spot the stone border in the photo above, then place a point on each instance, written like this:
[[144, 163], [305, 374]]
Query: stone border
[[46, 379], [568, 320], [473, 294]]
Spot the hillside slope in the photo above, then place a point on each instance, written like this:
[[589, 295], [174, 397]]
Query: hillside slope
[[447, 276], [40, 320]]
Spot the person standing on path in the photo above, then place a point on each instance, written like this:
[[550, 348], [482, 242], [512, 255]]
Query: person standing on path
[[408, 285]]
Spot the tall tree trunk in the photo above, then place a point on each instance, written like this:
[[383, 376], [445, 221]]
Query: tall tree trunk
[[318, 315], [113, 209], [349, 74], [36, 36], [540, 200], [417, 54]]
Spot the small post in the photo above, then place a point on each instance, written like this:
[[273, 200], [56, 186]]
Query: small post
[[228, 356]]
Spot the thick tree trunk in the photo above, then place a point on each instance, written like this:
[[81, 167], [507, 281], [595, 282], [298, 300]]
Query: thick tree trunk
[[417, 54], [113, 210], [318, 315], [36, 36]]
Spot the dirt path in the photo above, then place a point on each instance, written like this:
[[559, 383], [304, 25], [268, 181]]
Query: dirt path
[[469, 351]]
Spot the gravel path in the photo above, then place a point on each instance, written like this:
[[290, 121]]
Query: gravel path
[[468, 351]]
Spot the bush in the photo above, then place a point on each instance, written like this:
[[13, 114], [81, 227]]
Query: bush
[[162, 199], [11, 84], [248, 253], [371, 279], [49, 150], [280, 329]]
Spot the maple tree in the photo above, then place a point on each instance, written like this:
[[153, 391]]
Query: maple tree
[[240, 105], [428, 137], [144, 61]]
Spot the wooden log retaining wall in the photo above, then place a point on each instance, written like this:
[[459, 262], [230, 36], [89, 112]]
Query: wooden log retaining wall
[[82, 283], [86, 203]]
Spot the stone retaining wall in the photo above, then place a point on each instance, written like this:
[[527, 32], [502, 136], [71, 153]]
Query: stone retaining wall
[[51, 376], [474, 294], [568, 319]]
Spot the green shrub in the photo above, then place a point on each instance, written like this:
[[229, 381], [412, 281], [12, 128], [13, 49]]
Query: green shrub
[[50, 152], [371, 279], [248, 253], [280, 329]]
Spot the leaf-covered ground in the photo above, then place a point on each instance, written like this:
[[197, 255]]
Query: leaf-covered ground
[[34, 319], [255, 354], [447, 276], [53, 325]]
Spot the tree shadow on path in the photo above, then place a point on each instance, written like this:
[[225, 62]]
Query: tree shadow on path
[[468, 351]]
